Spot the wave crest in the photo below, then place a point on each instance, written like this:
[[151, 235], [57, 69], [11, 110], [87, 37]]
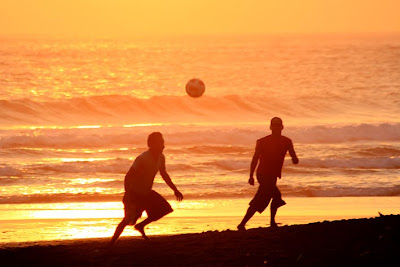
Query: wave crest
[[119, 109]]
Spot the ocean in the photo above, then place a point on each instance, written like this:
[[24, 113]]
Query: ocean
[[76, 112]]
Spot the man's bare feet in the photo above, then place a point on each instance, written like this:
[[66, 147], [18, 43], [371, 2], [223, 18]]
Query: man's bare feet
[[140, 228], [241, 227], [274, 225]]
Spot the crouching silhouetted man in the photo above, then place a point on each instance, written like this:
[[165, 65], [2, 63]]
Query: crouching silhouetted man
[[138, 183], [269, 156]]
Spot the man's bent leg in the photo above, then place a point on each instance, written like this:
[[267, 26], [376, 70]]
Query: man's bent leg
[[140, 227], [250, 213], [120, 228], [156, 208], [277, 202], [258, 203], [118, 231]]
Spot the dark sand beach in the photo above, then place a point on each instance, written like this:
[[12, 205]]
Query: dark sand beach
[[355, 242]]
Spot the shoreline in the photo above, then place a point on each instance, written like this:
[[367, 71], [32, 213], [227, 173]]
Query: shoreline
[[69, 221], [367, 241]]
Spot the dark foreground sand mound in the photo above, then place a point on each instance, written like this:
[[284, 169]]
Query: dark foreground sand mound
[[358, 242]]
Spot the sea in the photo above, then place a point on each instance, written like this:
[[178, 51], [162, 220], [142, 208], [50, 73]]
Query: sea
[[76, 112]]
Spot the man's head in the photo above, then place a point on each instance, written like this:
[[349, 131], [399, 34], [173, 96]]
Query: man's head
[[276, 125], [155, 142]]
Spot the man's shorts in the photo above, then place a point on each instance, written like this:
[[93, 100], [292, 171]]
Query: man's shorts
[[153, 203], [265, 192]]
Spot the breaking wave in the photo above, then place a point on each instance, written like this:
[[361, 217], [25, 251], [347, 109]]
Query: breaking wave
[[117, 109], [125, 109]]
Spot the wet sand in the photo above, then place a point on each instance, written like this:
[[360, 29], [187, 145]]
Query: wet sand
[[355, 242]]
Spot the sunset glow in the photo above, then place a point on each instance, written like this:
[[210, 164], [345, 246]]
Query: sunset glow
[[103, 18]]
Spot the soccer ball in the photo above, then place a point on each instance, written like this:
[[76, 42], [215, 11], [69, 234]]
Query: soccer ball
[[195, 87]]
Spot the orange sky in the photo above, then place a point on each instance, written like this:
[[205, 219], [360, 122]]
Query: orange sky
[[136, 17]]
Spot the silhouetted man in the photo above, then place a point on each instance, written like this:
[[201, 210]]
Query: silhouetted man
[[269, 156], [139, 195]]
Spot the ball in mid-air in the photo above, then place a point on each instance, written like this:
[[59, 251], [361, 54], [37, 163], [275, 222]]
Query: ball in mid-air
[[195, 87]]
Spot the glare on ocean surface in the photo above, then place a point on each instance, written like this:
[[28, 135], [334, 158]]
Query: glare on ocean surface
[[58, 221]]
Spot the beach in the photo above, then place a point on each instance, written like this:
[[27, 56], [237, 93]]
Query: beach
[[356, 242], [35, 222]]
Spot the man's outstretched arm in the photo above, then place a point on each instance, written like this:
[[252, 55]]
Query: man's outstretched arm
[[292, 153], [169, 182], [253, 164]]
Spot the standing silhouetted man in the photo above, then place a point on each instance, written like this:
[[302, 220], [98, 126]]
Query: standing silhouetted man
[[139, 195], [269, 156]]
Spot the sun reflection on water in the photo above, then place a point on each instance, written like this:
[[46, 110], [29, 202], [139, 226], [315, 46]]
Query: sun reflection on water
[[58, 221]]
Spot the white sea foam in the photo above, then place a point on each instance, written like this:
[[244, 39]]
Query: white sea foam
[[228, 137]]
